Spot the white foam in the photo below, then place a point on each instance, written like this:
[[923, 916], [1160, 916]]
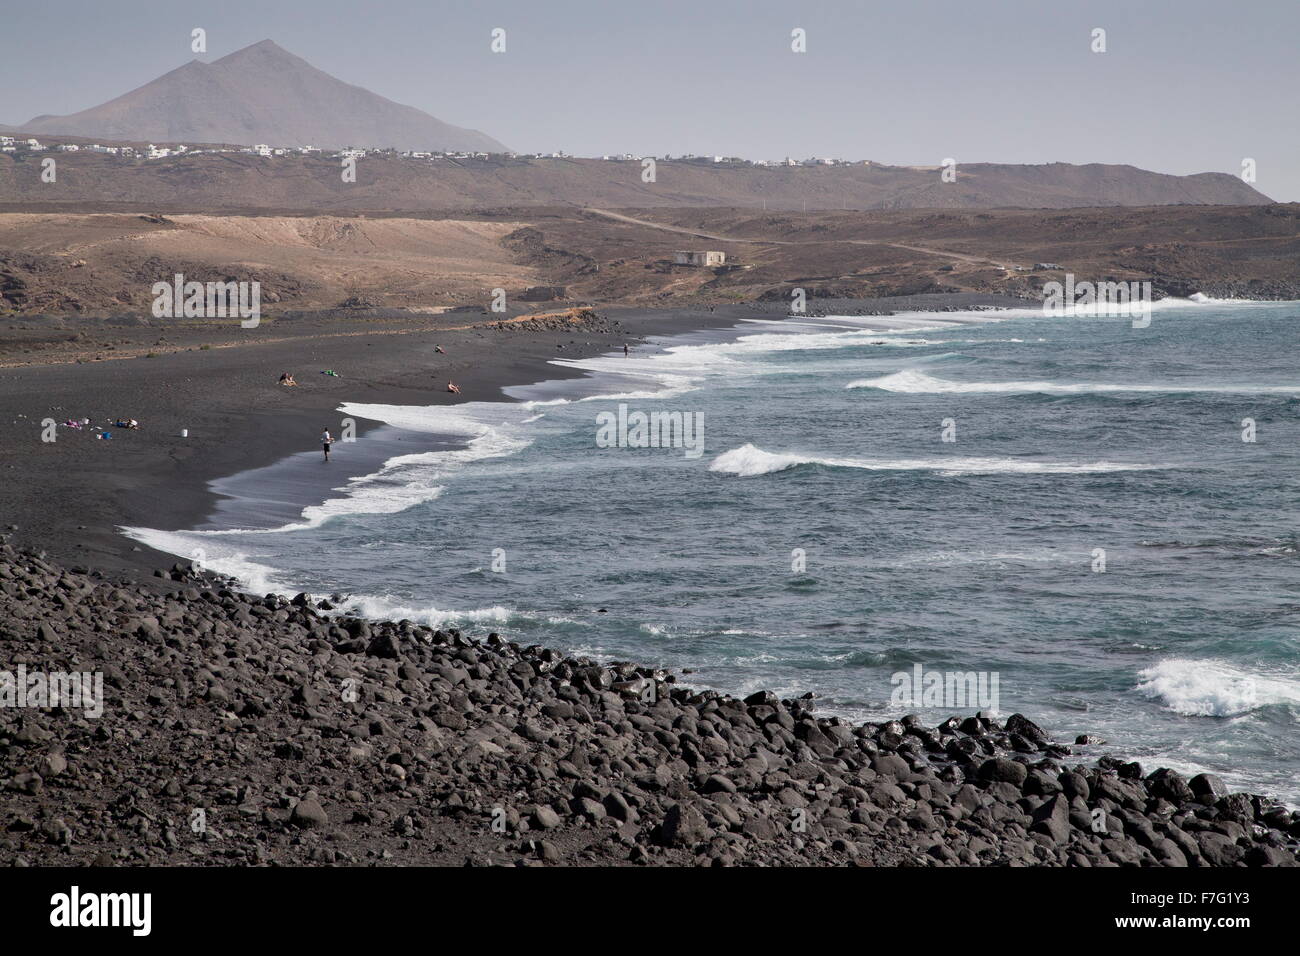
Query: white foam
[[212, 554], [918, 383], [748, 461], [1215, 688], [493, 430], [677, 369], [386, 609]]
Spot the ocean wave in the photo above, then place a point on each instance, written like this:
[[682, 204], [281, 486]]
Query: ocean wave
[[678, 369], [404, 481], [749, 461], [470, 420], [1214, 688], [918, 383], [378, 608], [212, 555]]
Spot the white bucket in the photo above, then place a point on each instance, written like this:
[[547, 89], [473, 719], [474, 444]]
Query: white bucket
[[185, 433]]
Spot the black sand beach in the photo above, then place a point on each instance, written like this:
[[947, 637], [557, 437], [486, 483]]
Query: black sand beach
[[307, 738], [69, 497]]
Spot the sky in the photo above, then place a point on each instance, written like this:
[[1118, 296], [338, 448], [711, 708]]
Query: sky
[[1184, 86]]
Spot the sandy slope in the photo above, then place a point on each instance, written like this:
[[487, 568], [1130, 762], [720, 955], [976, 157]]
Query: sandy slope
[[324, 259]]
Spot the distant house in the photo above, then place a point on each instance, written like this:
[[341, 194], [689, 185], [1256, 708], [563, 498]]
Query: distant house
[[1046, 265], [706, 259], [68, 147], [34, 145], [261, 149], [6, 140]]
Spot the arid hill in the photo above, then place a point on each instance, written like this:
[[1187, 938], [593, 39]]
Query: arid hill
[[261, 94], [79, 263], [220, 183]]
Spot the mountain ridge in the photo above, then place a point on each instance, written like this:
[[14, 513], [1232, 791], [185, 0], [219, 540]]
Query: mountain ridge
[[239, 181]]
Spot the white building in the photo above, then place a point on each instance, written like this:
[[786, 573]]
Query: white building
[[706, 259], [261, 149]]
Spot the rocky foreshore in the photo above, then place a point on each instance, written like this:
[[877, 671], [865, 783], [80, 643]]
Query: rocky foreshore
[[239, 730]]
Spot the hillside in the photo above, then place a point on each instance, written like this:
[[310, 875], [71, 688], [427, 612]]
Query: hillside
[[224, 182], [261, 94], [80, 263]]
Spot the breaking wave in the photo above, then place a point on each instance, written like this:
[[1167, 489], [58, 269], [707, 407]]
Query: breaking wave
[[1211, 688], [918, 383], [748, 461]]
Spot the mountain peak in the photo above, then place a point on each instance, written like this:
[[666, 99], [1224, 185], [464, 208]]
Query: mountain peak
[[262, 93], [262, 48]]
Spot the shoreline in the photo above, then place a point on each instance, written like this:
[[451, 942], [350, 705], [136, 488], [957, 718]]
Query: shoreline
[[75, 493], [902, 793], [344, 741], [250, 488]]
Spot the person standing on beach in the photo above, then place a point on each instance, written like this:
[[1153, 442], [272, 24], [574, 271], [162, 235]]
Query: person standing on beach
[[326, 439], [625, 351]]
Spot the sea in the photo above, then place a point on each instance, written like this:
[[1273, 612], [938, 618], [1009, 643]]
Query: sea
[[1096, 518]]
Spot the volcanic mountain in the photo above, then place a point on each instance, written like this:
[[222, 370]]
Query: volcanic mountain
[[262, 94]]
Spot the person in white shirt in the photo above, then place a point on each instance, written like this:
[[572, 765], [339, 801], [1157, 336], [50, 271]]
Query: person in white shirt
[[326, 439]]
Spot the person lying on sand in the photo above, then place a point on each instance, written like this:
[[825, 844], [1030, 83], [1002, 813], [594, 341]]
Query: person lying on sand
[[330, 372], [127, 423], [286, 379], [452, 387], [438, 349]]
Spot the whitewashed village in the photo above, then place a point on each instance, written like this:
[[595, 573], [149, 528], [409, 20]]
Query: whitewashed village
[[11, 144]]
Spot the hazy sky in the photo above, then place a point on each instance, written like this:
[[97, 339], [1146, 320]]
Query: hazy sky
[[1185, 85]]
